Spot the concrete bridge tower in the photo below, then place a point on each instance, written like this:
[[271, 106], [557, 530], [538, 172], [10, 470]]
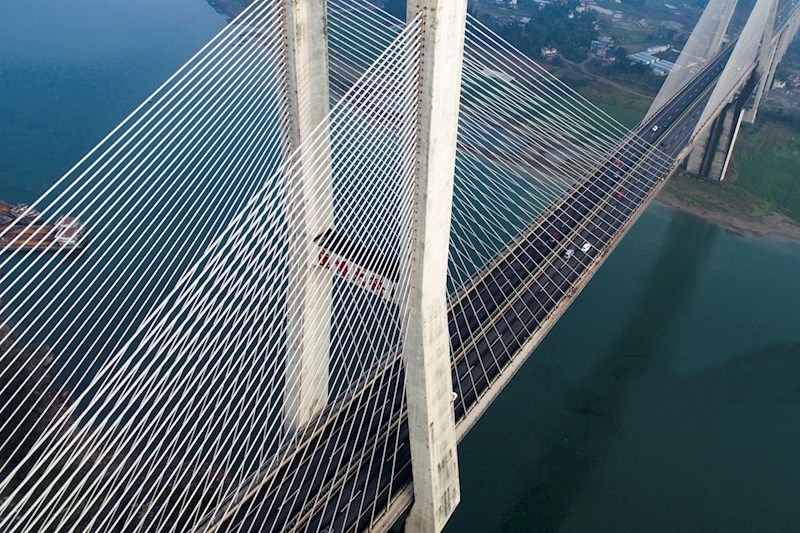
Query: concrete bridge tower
[[309, 290], [426, 345], [718, 127], [427, 340]]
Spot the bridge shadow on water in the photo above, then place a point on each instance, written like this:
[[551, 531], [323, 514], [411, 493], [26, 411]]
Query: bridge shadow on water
[[562, 453], [636, 443], [712, 451], [592, 409]]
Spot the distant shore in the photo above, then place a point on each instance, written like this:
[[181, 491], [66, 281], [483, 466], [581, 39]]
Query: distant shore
[[231, 8]]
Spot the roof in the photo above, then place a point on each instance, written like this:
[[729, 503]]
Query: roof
[[368, 258]]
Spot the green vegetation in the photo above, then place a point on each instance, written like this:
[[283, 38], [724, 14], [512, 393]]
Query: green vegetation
[[627, 108], [624, 104], [632, 39], [636, 74], [763, 177], [550, 26], [716, 197], [766, 162]]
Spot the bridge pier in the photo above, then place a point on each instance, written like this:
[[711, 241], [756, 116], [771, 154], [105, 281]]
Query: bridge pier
[[426, 346], [716, 130], [786, 38], [309, 212], [765, 69], [713, 148], [703, 44], [770, 59]]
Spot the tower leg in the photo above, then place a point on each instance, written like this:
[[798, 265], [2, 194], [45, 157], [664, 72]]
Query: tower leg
[[427, 341], [309, 213]]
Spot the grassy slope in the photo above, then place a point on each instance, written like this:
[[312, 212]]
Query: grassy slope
[[764, 176], [627, 108], [766, 163]]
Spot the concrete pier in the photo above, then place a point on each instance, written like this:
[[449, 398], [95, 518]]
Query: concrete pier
[[309, 212], [427, 340], [712, 152], [765, 69]]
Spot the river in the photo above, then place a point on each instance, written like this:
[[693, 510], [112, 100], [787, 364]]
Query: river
[[668, 396]]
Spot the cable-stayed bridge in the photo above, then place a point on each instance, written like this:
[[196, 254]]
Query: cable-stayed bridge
[[230, 348]]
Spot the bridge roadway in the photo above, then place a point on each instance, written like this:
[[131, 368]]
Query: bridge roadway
[[359, 460]]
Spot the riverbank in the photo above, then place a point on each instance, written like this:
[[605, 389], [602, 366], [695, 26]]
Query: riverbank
[[736, 211]]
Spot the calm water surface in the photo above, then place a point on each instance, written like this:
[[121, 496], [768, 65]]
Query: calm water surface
[[71, 70], [667, 398]]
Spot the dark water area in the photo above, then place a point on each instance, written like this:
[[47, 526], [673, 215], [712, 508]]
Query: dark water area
[[666, 399], [72, 70], [668, 396]]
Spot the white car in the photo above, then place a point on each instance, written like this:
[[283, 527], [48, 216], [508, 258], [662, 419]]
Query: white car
[[655, 128], [585, 247], [568, 254]]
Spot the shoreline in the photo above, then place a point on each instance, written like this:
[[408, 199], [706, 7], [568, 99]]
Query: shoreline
[[736, 218]]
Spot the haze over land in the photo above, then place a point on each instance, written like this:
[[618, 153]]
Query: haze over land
[[761, 192]]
